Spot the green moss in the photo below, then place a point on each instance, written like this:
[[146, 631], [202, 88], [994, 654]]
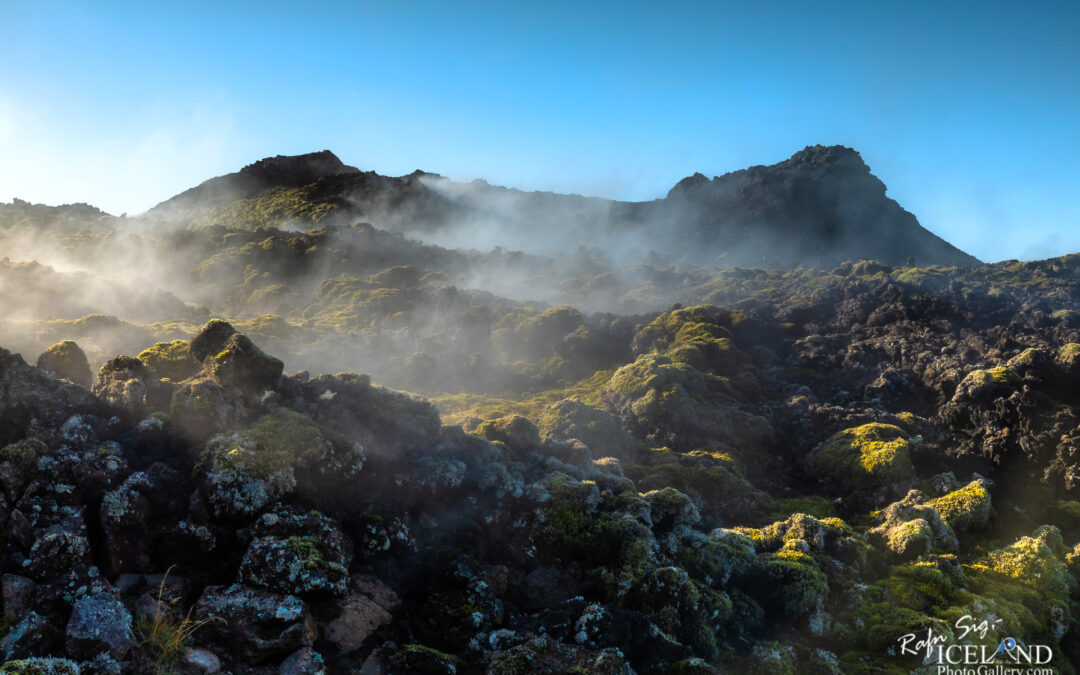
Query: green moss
[[711, 479], [24, 453], [280, 440], [515, 431], [871, 455], [1000, 375], [1032, 561], [40, 666], [1069, 351], [919, 586], [801, 585], [417, 658], [614, 546], [815, 505], [919, 275], [305, 548], [67, 360], [172, 360], [965, 509]]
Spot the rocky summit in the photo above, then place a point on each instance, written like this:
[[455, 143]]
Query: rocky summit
[[259, 430]]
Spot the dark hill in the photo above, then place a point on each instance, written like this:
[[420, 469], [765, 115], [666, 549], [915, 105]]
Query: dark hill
[[818, 208], [271, 172]]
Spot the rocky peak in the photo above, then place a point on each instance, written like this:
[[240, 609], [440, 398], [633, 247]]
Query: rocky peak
[[271, 172], [830, 157], [298, 169], [689, 184]]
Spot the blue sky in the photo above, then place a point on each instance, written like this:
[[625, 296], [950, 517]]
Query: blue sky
[[968, 112]]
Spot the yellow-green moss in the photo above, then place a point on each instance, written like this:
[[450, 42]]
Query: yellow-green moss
[[24, 453], [515, 431], [67, 360], [988, 376], [282, 439], [1069, 351], [871, 455], [172, 360], [965, 509]]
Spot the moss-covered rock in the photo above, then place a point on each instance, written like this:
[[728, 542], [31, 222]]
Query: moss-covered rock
[[24, 454], [423, 660], [578, 524], [202, 407], [907, 541], [65, 359], [122, 381], [712, 479], [297, 553], [172, 360], [870, 456], [1034, 562], [692, 336], [965, 509], [40, 666], [242, 365], [516, 432], [596, 428], [675, 404], [671, 508], [797, 585], [984, 385], [910, 539], [244, 471], [1069, 357]]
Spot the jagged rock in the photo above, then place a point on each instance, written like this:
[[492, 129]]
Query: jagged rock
[[122, 381], [128, 518], [65, 359], [298, 554], [365, 610], [59, 547], [242, 472], [257, 624], [31, 399], [896, 391], [211, 339], [102, 664], [18, 463], [33, 635], [202, 407], [202, 661], [233, 360], [305, 661], [99, 623], [18, 594]]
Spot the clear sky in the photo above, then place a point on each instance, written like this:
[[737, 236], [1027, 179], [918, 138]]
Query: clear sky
[[967, 111]]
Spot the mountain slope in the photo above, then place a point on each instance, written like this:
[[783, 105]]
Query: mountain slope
[[818, 208]]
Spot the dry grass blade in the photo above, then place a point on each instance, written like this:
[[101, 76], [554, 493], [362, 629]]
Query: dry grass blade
[[165, 637]]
